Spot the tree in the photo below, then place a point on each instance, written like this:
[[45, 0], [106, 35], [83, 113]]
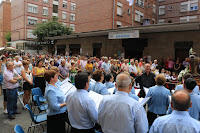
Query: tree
[[50, 28], [8, 36]]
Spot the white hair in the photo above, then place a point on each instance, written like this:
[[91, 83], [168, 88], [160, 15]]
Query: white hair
[[123, 82]]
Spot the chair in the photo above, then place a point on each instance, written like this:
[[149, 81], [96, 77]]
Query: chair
[[37, 91], [19, 95], [18, 129], [41, 107], [36, 119]]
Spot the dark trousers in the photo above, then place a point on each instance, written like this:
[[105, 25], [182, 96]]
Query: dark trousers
[[151, 117], [11, 101], [74, 130], [56, 123], [40, 82]]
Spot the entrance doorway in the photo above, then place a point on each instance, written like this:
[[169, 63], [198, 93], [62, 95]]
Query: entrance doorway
[[182, 49], [61, 49], [74, 49], [97, 49], [134, 47]]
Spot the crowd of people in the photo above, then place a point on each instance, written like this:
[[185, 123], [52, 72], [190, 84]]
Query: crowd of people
[[118, 113]]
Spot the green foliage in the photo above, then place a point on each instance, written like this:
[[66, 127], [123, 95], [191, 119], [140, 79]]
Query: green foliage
[[50, 28], [8, 36]]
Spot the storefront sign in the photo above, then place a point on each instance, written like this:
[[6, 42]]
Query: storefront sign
[[124, 34]]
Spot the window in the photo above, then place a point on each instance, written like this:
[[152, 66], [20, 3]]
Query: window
[[73, 6], [140, 2], [119, 8], [64, 15], [138, 16], [154, 9], [30, 34], [72, 17], [44, 20], [184, 7], [32, 8], [192, 18], [161, 10], [193, 5], [183, 19], [149, 5], [161, 21], [45, 10], [64, 24], [64, 4], [32, 21], [72, 27], [188, 18], [119, 24], [45, 1], [55, 8]]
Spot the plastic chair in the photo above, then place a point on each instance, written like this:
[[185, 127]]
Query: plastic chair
[[36, 119], [37, 91], [41, 107], [20, 97], [18, 129]]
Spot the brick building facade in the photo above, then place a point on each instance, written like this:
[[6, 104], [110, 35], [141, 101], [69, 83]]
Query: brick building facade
[[110, 14], [173, 11], [5, 21], [27, 13]]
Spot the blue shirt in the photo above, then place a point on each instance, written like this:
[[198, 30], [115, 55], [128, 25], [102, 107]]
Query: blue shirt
[[119, 113], [58, 83], [133, 90], [82, 111], [106, 67], [195, 90], [133, 96], [109, 85], [100, 88], [194, 111], [54, 97], [159, 100], [177, 122]]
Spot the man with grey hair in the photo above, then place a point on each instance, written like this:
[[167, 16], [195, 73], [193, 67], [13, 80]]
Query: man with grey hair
[[179, 121], [11, 79], [126, 113], [17, 65], [105, 66], [64, 71]]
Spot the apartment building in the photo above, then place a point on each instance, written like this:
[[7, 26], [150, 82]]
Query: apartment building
[[173, 11], [5, 21], [109, 14], [27, 13]]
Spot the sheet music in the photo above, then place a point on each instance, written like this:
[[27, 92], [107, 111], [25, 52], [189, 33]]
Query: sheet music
[[93, 81], [67, 88], [137, 91], [96, 97], [111, 90], [65, 81], [146, 90], [143, 101]]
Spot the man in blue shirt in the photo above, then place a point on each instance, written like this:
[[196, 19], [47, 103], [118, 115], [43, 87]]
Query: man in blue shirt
[[186, 76], [179, 121], [119, 113], [194, 111], [82, 111]]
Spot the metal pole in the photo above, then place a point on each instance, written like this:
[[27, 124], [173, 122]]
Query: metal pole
[[113, 14]]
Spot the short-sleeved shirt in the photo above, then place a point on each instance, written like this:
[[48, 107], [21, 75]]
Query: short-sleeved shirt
[[64, 71], [8, 75], [18, 69], [106, 67]]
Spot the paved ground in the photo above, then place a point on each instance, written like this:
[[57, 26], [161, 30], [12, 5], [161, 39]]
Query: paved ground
[[23, 119]]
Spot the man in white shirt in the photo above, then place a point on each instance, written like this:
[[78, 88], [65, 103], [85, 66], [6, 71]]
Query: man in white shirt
[[132, 69], [83, 62], [17, 65]]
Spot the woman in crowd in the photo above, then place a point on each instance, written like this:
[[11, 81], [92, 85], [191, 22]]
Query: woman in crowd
[[33, 62], [27, 82], [159, 101], [38, 72], [114, 69], [99, 87], [56, 104], [58, 83], [30, 65], [177, 66], [51, 64], [73, 71], [46, 65], [89, 66]]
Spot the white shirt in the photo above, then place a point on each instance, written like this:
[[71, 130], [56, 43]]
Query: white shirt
[[18, 68], [83, 63], [132, 69]]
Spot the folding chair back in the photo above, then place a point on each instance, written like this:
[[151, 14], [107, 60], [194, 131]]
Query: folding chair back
[[18, 129], [30, 112], [36, 99], [37, 91]]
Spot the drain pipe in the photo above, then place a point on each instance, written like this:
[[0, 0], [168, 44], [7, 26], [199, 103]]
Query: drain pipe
[[113, 14]]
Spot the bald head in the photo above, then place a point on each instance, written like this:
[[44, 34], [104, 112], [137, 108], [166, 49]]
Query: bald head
[[181, 100], [123, 81]]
